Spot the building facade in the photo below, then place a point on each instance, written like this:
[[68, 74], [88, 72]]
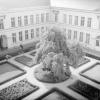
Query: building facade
[[80, 26], [25, 25], [22, 26]]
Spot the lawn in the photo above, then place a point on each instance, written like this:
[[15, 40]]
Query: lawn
[[27, 61], [9, 71], [92, 73]]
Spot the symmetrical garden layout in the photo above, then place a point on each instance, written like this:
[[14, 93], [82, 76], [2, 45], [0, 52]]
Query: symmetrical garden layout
[[25, 90]]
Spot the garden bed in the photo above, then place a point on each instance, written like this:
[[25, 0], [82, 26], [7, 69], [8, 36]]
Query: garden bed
[[86, 90], [55, 94], [92, 73], [9, 71], [27, 61], [18, 90], [81, 62]]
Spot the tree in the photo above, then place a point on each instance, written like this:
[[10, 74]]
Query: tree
[[76, 54], [53, 52], [53, 41]]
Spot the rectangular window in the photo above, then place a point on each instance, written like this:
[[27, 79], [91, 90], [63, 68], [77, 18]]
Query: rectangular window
[[19, 21], [42, 30], [25, 20], [56, 17], [70, 19], [89, 22], [97, 42], [12, 22], [31, 19], [82, 21], [37, 19], [75, 34], [20, 36], [32, 33], [64, 18], [81, 37], [37, 32], [42, 18], [26, 34], [1, 24], [69, 34], [87, 38], [47, 17], [14, 37], [76, 20]]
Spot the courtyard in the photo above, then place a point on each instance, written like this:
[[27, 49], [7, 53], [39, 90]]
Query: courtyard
[[75, 88]]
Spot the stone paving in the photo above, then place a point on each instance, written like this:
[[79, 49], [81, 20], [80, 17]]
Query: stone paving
[[45, 87]]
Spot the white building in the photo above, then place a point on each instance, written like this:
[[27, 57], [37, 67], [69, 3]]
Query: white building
[[25, 25], [80, 26]]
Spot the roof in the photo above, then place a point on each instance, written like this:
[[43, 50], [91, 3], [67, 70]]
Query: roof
[[9, 4]]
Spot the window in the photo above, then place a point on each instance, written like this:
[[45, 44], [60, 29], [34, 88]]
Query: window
[[26, 34], [89, 22], [37, 19], [70, 19], [97, 42], [19, 21], [32, 33], [82, 21], [25, 20], [75, 34], [37, 32], [1, 24], [20, 36], [42, 18], [64, 18], [42, 30], [87, 38], [64, 30], [31, 19], [47, 17], [81, 37], [14, 37], [56, 17], [76, 20], [12, 22], [46, 28], [69, 34]]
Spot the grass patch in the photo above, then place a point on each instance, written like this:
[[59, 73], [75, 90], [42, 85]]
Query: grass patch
[[27, 61], [9, 71]]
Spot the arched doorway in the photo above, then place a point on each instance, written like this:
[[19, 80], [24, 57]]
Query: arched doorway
[[3, 42]]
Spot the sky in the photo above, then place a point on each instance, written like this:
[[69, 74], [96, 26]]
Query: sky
[[80, 4], [22, 3]]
